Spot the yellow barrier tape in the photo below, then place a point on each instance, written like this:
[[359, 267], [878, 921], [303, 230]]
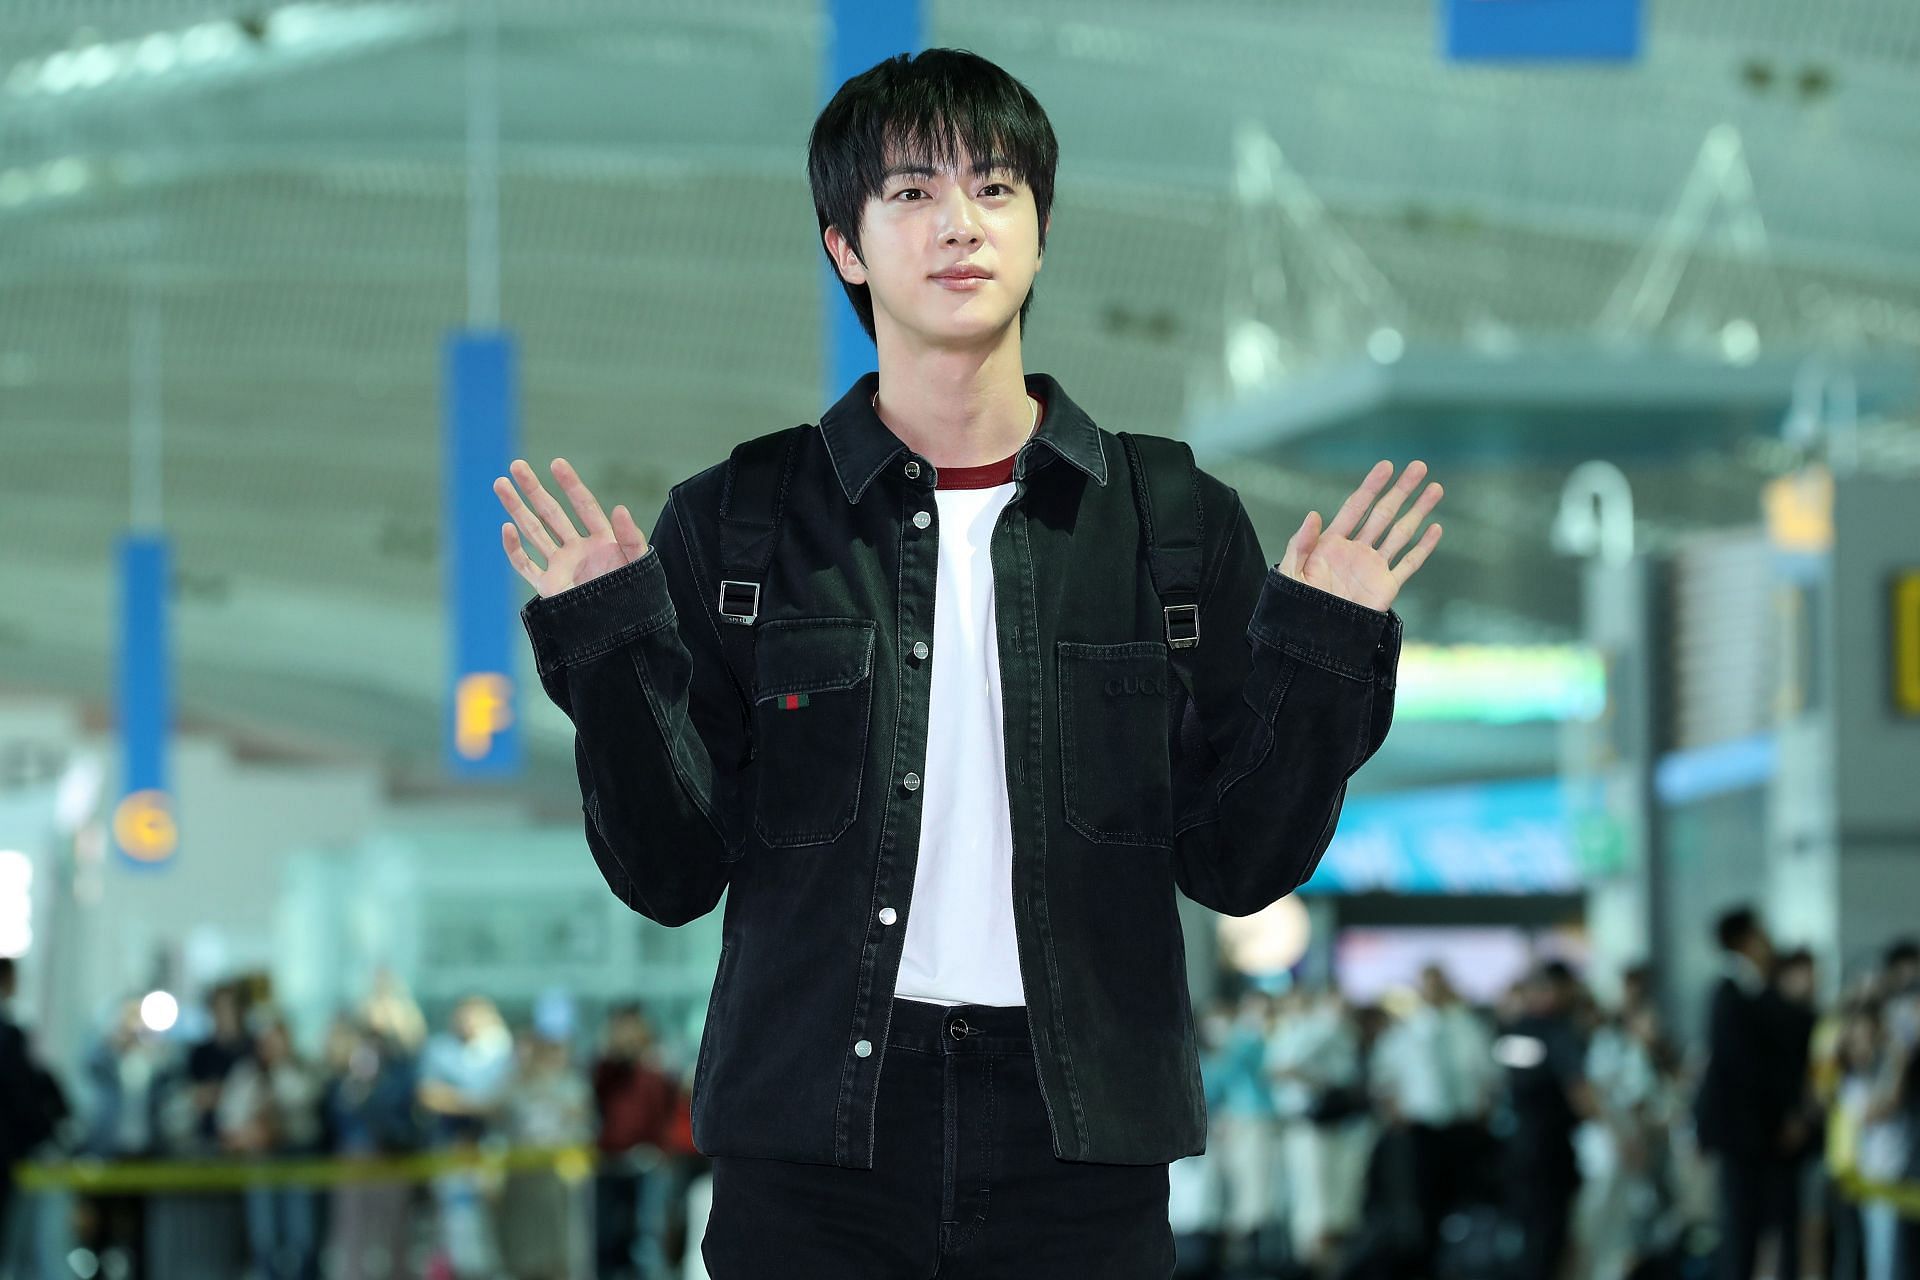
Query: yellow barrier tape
[[1904, 1196], [122, 1177]]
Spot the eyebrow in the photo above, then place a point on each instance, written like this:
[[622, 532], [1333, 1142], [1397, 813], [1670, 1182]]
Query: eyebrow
[[980, 168]]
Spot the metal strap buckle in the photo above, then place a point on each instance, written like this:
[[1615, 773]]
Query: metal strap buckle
[[744, 601], [1189, 630]]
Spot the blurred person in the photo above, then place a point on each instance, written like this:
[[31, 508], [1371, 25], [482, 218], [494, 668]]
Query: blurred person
[[1796, 979], [32, 1106], [209, 1060], [1622, 1145], [464, 1077], [1548, 1096], [550, 1104], [1053, 1004], [270, 1106], [1434, 1073], [1750, 1111], [125, 1076], [196, 1233], [372, 1115], [1246, 1125], [1869, 1140], [1319, 1091], [633, 1104], [1899, 991], [391, 1013]]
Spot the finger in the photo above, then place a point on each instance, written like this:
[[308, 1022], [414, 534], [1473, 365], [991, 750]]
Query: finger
[[1410, 563], [517, 555], [1347, 518], [530, 527], [633, 543], [557, 521], [584, 504], [1403, 531], [1300, 545], [1389, 505]]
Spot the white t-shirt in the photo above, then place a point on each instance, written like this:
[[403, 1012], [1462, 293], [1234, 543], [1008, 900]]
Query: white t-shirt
[[960, 945]]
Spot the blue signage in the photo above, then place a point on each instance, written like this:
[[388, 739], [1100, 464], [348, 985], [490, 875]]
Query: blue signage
[[1495, 838], [860, 34], [145, 830], [1541, 30], [483, 593]]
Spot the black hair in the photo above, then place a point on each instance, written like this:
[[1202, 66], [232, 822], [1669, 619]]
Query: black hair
[[6, 971], [1735, 926], [924, 107], [1903, 951], [1798, 958]]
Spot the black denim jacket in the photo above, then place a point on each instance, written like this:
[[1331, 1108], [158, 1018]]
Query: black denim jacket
[[1122, 789]]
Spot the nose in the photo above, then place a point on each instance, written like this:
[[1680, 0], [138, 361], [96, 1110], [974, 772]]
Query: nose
[[962, 221]]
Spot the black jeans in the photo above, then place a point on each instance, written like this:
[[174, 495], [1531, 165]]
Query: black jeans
[[964, 1185]]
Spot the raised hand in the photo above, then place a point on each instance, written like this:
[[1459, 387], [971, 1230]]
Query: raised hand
[[572, 557], [1353, 568]]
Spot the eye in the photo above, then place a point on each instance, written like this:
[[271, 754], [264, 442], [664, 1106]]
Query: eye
[[916, 190]]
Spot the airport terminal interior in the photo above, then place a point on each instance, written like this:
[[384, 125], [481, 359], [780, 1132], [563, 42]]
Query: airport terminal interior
[[318, 956]]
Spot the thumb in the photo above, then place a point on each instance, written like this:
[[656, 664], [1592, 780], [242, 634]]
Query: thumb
[[1301, 545], [633, 543]]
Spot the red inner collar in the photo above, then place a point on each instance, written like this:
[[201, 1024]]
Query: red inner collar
[[988, 474]]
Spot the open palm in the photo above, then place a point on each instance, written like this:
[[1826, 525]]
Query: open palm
[[1349, 565]]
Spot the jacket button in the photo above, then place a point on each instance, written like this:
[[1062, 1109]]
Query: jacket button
[[921, 519], [913, 471], [887, 915], [864, 1049], [911, 782], [920, 648]]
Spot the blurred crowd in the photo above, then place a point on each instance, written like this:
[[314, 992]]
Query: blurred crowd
[[1549, 1136], [380, 1088], [1554, 1135]]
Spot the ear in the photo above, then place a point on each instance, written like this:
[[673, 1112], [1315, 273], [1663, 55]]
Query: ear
[[845, 260]]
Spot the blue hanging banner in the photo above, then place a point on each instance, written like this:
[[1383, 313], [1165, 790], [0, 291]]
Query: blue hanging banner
[[860, 34], [146, 832], [483, 593], [1541, 30]]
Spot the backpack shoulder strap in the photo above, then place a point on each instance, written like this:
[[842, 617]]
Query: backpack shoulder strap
[[752, 501], [1166, 490]]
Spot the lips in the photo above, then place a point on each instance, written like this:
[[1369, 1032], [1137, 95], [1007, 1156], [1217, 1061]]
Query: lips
[[964, 273]]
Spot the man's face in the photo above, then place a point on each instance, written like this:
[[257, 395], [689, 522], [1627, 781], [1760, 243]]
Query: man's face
[[924, 222]]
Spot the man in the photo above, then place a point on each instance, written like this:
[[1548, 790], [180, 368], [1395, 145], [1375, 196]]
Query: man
[[1749, 1110], [1545, 1056], [634, 1099], [920, 688], [32, 1104], [1436, 1075], [17, 1092]]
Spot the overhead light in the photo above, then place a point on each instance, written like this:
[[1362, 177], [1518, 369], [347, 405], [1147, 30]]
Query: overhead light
[[16, 903], [159, 1011]]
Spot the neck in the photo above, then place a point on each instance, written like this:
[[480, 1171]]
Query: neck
[[955, 408]]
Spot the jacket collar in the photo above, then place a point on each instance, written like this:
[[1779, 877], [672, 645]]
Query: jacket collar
[[860, 444]]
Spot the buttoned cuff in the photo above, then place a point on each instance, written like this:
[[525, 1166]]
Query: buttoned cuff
[[1326, 630], [600, 614]]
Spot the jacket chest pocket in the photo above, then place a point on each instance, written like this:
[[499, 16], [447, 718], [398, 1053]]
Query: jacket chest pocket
[[812, 704], [1115, 771]]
